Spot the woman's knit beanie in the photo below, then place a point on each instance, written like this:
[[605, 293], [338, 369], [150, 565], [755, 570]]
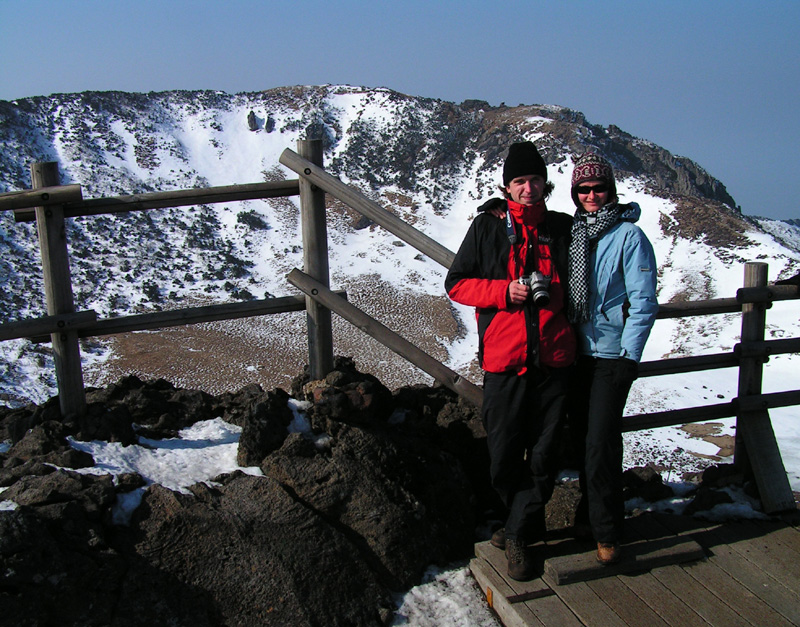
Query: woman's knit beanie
[[592, 167]]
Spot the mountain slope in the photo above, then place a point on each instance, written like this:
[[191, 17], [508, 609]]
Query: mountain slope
[[432, 162]]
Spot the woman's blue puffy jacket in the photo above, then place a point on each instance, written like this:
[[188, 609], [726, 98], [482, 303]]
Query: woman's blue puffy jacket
[[622, 291]]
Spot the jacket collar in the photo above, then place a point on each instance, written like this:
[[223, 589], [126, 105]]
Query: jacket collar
[[529, 215]]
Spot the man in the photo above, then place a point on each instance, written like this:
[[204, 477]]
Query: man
[[526, 344]]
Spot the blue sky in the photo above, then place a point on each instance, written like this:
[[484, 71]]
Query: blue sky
[[715, 81]]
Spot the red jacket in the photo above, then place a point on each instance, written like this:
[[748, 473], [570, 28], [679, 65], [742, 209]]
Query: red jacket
[[483, 267]]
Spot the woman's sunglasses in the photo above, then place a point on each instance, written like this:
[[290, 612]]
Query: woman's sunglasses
[[587, 189]]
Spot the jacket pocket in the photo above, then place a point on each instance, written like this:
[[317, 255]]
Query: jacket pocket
[[504, 341]]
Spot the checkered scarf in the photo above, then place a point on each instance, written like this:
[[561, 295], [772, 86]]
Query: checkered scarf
[[585, 227]]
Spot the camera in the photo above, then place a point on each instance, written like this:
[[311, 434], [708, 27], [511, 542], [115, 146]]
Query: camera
[[540, 287]]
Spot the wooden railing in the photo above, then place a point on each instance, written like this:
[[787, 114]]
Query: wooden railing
[[756, 446]]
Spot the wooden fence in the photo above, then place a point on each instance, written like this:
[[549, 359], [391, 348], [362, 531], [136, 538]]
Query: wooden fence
[[756, 447]]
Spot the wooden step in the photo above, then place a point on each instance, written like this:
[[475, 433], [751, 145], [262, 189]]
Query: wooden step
[[638, 556]]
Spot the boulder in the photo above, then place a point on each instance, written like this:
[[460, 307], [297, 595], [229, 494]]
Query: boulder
[[344, 516]]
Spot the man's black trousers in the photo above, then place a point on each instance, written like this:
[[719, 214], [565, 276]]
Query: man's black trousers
[[523, 416]]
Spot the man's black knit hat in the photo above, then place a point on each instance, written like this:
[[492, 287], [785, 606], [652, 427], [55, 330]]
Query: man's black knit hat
[[523, 159]]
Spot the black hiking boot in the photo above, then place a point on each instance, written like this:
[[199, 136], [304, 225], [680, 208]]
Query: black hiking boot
[[520, 565]]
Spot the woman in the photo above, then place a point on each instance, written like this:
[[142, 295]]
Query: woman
[[612, 303]]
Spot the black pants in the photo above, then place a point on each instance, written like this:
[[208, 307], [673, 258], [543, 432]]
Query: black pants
[[523, 416], [597, 402]]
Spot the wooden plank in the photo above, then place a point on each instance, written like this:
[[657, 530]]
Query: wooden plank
[[586, 604], [638, 556], [756, 447], [356, 200], [776, 595], [688, 364], [673, 417], [47, 324], [553, 612], [175, 198], [196, 315], [740, 599], [315, 263], [698, 308], [40, 197], [497, 558], [536, 595], [787, 535], [768, 347], [782, 599], [760, 294], [58, 293], [708, 606], [751, 576], [662, 600], [767, 293], [627, 605], [497, 591], [777, 562], [718, 411]]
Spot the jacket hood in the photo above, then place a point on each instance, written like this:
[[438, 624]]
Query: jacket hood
[[630, 212]]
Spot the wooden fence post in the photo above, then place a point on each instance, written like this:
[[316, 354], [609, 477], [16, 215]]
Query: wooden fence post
[[58, 293], [315, 260], [756, 449]]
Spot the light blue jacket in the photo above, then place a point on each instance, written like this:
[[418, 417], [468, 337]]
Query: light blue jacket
[[622, 291]]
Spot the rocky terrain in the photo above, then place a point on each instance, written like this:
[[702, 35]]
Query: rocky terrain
[[385, 484], [431, 162]]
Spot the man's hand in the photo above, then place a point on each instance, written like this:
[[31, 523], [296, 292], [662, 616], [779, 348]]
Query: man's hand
[[518, 293]]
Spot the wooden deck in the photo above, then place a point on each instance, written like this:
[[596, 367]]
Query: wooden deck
[[676, 571]]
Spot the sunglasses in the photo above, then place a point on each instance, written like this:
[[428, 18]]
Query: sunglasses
[[597, 189]]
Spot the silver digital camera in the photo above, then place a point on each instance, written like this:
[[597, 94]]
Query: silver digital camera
[[540, 287]]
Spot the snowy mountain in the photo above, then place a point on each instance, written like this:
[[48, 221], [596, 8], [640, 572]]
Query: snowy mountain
[[431, 162]]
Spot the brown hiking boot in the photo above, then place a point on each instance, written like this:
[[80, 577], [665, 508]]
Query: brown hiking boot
[[499, 538], [520, 565], [608, 553]]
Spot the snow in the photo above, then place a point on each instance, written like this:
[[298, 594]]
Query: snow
[[219, 149]]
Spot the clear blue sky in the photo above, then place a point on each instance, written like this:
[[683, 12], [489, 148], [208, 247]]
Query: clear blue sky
[[716, 81]]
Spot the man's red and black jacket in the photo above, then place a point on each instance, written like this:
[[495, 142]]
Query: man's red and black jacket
[[513, 338]]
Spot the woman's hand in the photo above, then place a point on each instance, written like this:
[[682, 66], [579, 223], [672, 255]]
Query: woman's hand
[[497, 212]]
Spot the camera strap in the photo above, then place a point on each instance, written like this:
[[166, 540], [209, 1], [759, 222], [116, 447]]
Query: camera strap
[[542, 236], [511, 231]]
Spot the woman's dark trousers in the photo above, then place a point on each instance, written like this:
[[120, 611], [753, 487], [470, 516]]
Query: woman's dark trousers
[[597, 402]]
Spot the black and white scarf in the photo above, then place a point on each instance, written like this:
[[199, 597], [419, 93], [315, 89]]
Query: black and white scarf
[[585, 228]]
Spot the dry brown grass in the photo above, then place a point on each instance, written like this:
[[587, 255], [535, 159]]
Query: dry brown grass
[[271, 350]]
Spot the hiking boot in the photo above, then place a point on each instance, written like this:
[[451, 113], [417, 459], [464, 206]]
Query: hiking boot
[[499, 538], [608, 553], [520, 565]]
